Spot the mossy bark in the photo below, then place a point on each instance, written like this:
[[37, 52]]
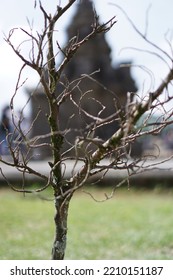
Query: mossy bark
[[61, 200], [61, 216]]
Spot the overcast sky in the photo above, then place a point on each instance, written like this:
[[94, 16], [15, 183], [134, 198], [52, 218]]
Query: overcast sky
[[160, 25]]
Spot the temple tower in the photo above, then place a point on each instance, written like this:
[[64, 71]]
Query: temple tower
[[104, 85], [94, 58]]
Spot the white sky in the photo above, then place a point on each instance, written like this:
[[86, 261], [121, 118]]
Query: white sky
[[15, 13]]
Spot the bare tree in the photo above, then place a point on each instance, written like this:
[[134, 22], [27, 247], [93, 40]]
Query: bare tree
[[87, 149]]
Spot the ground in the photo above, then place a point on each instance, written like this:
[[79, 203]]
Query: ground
[[132, 225]]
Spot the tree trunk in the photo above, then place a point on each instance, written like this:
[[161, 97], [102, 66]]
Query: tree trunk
[[61, 215]]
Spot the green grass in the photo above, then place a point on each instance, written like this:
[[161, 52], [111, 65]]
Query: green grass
[[132, 225]]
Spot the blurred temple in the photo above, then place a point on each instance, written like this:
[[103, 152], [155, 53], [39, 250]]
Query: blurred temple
[[5, 130], [13, 128], [101, 86]]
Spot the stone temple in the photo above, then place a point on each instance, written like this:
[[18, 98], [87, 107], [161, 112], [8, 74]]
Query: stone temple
[[101, 83]]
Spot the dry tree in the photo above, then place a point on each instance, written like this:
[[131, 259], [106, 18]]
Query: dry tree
[[91, 157]]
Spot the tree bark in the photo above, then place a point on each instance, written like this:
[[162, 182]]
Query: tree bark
[[61, 215]]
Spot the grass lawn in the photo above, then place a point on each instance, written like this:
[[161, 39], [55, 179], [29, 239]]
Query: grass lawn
[[132, 225]]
